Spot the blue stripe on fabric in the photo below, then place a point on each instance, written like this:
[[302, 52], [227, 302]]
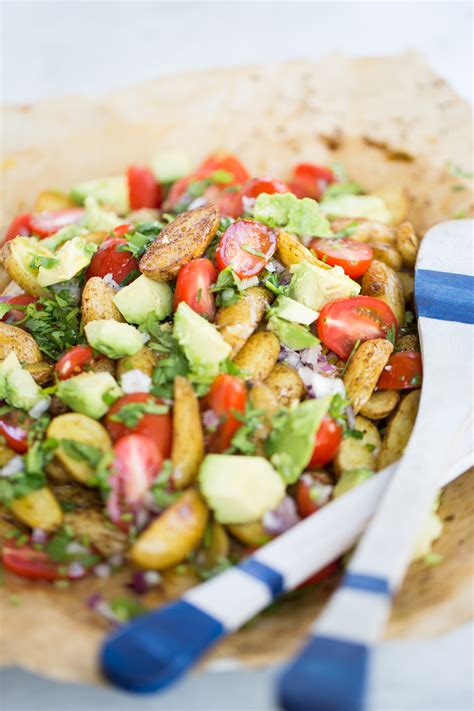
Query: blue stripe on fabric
[[328, 675], [272, 578], [444, 296], [369, 583], [156, 648]]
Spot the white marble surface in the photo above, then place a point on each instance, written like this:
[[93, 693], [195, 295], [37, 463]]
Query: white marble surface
[[54, 48]]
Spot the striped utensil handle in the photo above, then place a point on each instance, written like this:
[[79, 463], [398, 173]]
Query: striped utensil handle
[[331, 671]]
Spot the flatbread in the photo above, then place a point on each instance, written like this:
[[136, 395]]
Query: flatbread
[[389, 121]]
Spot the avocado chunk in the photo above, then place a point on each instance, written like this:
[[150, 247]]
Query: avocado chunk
[[371, 207], [68, 261], [110, 192], [87, 393], [170, 166], [292, 310], [292, 335], [98, 219], [302, 217], [291, 442], [143, 297], [63, 235], [350, 479], [314, 286], [239, 489], [17, 385], [112, 338], [203, 346]]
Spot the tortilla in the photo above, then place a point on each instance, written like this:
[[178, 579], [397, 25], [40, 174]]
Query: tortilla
[[389, 121]]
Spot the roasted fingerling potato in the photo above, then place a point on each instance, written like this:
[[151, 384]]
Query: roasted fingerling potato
[[237, 322], [187, 449], [38, 509], [365, 230], [15, 340], [388, 254], [382, 282], [399, 430], [286, 384], [291, 251], [407, 244], [97, 301], [408, 285], [358, 453], [106, 538], [18, 271], [145, 360], [218, 546], [380, 404], [41, 372], [364, 370], [258, 356]]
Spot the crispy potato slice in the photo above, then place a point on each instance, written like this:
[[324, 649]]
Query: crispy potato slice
[[42, 372], [291, 251], [170, 538], [71, 492], [92, 524], [286, 384], [237, 322], [16, 340], [188, 439], [399, 430], [83, 429], [103, 365], [365, 230], [184, 239], [396, 199], [407, 243], [218, 547], [409, 342], [52, 200], [364, 370], [380, 404], [19, 273], [388, 254], [250, 534], [57, 407], [38, 509], [359, 453], [258, 356], [408, 285], [97, 301], [145, 360], [263, 398], [383, 283]]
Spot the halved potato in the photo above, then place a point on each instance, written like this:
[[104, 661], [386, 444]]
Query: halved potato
[[38, 509], [382, 282], [407, 243], [237, 322], [218, 547], [92, 524], [103, 365], [291, 251], [188, 439], [170, 538], [145, 360], [408, 285], [83, 429], [399, 430], [184, 239], [364, 370], [16, 263], [42, 372], [380, 404], [52, 200], [365, 230], [359, 453], [97, 301], [250, 534], [15, 340], [286, 384], [388, 254], [258, 356]]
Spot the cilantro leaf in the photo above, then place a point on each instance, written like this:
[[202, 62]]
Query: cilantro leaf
[[228, 287], [143, 236], [131, 413], [38, 261], [82, 452], [54, 322], [391, 335]]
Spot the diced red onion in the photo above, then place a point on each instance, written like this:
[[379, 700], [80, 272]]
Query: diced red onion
[[110, 281], [135, 381], [39, 408], [141, 518], [210, 420], [115, 560], [282, 518], [93, 600], [101, 570], [38, 535], [76, 570], [143, 580], [14, 466]]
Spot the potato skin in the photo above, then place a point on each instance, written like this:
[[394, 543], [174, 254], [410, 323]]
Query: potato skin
[[364, 370], [38, 509], [108, 540], [407, 243], [20, 275], [382, 282], [145, 360], [258, 356], [286, 384], [380, 404], [218, 548], [15, 340], [237, 322], [399, 430], [170, 538], [250, 534], [408, 285], [97, 301], [42, 372], [188, 439], [184, 239], [358, 453], [82, 429], [291, 251], [366, 231], [388, 254]]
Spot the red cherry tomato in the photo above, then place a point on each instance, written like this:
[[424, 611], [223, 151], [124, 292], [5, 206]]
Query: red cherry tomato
[[353, 257], [178, 191], [49, 222], [122, 230], [73, 362], [109, 260], [226, 396], [326, 572], [247, 247], [223, 161], [403, 370], [155, 427], [343, 322], [229, 202], [252, 188], [36, 565], [311, 180], [20, 225], [192, 286], [328, 439], [16, 314], [15, 436], [143, 189]]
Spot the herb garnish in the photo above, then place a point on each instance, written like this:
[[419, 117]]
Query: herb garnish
[[139, 240], [54, 322], [228, 287], [131, 413]]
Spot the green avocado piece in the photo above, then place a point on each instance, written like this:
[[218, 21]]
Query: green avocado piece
[[292, 335], [143, 297], [203, 346], [113, 339], [86, 393], [68, 261], [314, 286], [371, 207], [350, 479], [239, 489], [97, 218], [170, 166], [302, 217], [110, 192], [291, 442], [17, 385], [292, 310], [63, 235]]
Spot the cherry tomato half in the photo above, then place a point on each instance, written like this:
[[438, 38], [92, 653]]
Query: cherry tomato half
[[253, 187], [178, 191], [403, 370], [229, 202], [49, 222], [343, 322], [20, 225], [122, 230], [223, 161], [247, 247], [37, 565], [16, 314], [311, 180], [226, 396], [192, 286], [155, 427], [309, 484], [15, 436], [137, 461], [73, 362], [353, 257], [328, 439], [109, 260], [143, 189]]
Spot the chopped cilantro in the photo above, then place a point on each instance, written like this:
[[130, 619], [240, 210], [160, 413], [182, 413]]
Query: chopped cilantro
[[131, 413], [243, 440], [354, 434], [251, 250], [160, 489], [222, 177], [272, 283], [391, 335], [131, 276], [223, 225], [228, 287], [416, 380], [126, 608], [54, 323], [139, 240], [82, 452], [346, 231], [222, 563]]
